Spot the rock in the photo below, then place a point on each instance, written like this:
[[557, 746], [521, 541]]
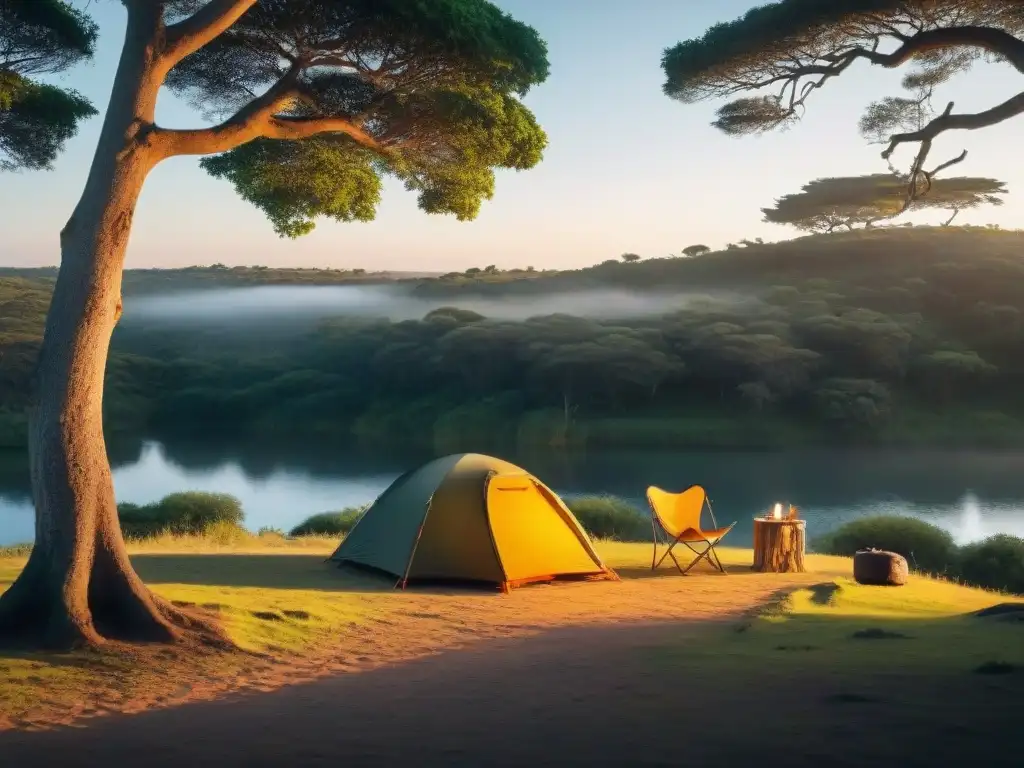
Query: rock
[[1008, 610], [875, 566]]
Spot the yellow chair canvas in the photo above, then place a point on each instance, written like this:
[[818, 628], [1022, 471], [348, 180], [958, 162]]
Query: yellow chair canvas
[[678, 515]]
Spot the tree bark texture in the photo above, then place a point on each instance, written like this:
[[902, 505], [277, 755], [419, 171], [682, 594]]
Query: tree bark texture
[[779, 545], [79, 586]]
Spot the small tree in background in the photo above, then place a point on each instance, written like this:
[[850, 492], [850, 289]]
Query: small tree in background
[[795, 47], [695, 250], [825, 205], [630, 258]]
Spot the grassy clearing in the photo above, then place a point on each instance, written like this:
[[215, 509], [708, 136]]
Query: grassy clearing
[[846, 630], [274, 596], [277, 597]]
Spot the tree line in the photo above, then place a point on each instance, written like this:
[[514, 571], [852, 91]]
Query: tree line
[[842, 353]]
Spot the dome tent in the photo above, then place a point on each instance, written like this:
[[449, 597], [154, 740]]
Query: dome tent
[[471, 518]]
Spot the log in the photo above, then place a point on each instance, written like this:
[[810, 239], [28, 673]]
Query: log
[[779, 545]]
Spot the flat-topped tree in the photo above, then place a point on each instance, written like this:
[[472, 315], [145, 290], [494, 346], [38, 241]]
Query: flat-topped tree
[[824, 205], [961, 193], [315, 100], [794, 47], [39, 37]]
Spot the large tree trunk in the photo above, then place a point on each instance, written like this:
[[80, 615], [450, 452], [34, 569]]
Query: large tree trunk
[[79, 586]]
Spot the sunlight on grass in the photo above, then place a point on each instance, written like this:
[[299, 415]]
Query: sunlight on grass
[[241, 543], [277, 596], [919, 598], [289, 619], [846, 631]]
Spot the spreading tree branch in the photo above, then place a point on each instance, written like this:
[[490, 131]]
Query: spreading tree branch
[[920, 179], [258, 119], [947, 121], [213, 19], [989, 39]]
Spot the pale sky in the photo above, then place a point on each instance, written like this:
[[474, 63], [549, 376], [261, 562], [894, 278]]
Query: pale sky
[[627, 169]]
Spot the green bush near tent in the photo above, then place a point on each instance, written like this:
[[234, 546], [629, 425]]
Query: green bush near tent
[[609, 517], [927, 547], [186, 513], [995, 563], [329, 523]]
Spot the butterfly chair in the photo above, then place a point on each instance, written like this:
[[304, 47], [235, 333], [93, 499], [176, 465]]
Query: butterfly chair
[[678, 514]]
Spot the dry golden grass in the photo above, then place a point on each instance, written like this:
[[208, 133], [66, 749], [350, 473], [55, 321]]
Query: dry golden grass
[[304, 618]]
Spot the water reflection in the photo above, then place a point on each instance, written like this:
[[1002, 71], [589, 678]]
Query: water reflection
[[973, 495]]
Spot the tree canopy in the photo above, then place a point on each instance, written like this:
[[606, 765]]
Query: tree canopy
[[795, 47], [39, 37], [350, 90], [824, 205]]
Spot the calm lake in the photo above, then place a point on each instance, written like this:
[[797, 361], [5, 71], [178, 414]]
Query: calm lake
[[971, 494]]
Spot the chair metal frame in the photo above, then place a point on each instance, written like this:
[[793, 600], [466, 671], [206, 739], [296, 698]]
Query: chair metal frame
[[709, 546]]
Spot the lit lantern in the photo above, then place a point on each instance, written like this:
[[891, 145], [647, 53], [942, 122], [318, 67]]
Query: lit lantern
[[777, 512]]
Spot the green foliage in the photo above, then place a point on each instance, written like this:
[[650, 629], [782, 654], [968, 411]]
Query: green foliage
[[440, 110], [995, 563], [609, 517], [293, 182], [852, 403], [36, 119], [873, 336], [36, 123], [329, 523], [188, 512], [925, 546]]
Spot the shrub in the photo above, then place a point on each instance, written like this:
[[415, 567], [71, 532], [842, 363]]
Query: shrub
[[926, 547], [609, 517], [995, 563], [193, 513], [329, 523]]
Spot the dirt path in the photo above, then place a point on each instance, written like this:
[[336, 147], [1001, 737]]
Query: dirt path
[[583, 696], [399, 627]]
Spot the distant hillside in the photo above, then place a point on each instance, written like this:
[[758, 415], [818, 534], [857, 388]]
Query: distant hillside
[[140, 281], [867, 258], [889, 337]]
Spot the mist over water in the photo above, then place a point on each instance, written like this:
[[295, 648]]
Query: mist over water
[[396, 303]]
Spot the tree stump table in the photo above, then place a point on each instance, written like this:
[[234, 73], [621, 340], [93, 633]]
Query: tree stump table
[[779, 545]]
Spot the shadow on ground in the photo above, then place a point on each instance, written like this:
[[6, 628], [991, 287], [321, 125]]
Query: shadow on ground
[[309, 572], [312, 572], [605, 696]]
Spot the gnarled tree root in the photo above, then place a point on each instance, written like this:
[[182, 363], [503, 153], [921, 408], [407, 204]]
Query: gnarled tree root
[[41, 610]]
